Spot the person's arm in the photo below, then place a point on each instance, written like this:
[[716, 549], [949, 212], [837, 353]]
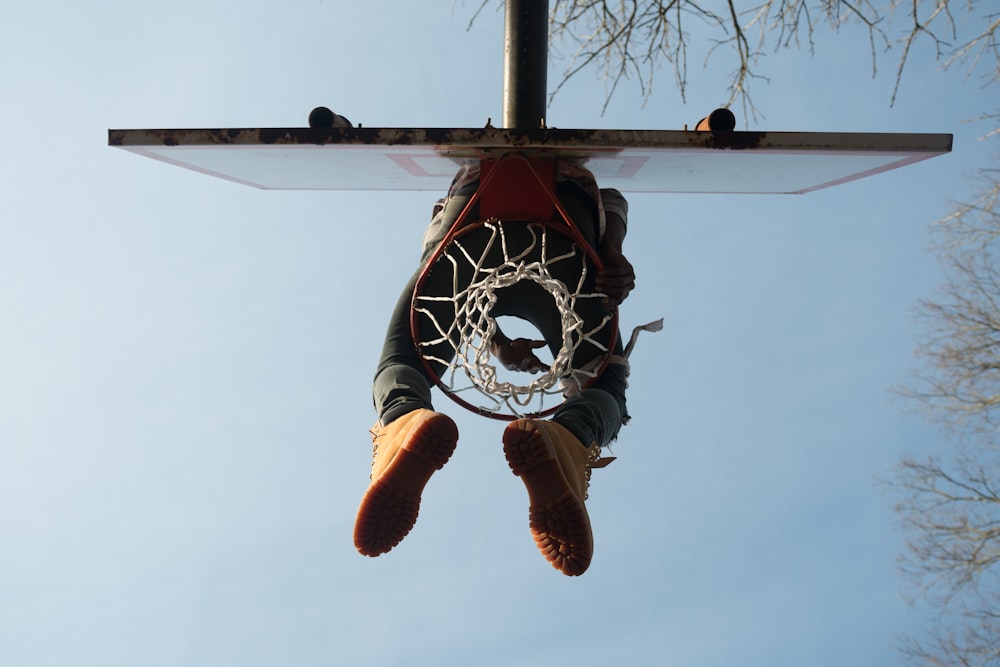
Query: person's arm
[[617, 278]]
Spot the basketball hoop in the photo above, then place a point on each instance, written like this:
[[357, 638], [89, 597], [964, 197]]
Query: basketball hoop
[[454, 316]]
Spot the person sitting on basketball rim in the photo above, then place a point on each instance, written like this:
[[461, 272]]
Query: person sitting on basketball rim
[[552, 457]]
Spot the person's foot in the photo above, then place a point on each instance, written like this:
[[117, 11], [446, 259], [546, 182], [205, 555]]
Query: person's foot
[[406, 452], [555, 468]]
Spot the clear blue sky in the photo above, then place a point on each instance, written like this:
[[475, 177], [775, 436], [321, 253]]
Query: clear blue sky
[[185, 364]]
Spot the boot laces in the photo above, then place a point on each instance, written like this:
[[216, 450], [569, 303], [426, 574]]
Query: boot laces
[[376, 432], [594, 460]]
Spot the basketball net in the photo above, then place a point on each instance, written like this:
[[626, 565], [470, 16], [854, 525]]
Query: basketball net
[[463, 326]]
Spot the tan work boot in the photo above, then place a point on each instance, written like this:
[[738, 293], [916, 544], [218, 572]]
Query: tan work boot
[[406, 453], [555, 468]]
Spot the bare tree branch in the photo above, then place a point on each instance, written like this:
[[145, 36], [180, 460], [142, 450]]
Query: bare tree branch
[[950, 510], [933, 20], [961, 348], [633, 38]]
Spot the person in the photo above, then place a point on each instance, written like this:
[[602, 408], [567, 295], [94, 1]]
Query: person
[[552, 457]]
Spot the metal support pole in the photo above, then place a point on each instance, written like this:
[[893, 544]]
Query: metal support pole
[[526, 60]]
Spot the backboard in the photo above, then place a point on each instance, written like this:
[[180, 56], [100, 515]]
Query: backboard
[[630, 160]]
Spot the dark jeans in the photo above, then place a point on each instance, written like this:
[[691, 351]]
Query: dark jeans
[[593, 415]]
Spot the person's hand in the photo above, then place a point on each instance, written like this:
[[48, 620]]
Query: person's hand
[[616, 279], [517, 355]]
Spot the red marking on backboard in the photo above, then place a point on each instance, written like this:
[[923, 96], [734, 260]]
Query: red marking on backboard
[[409, 164], [630, 165]]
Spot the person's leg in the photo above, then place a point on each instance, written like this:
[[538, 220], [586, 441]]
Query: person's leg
[[410, 440], [595, 414], [554, 458], [402, 383]]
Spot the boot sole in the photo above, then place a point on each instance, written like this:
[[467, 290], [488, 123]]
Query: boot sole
[[390, 507], [558, 519]]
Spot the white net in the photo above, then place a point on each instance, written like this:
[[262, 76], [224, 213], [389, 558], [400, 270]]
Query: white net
[[455, 317]]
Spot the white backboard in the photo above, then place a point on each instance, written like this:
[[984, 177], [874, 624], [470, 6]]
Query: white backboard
[[629, 160]]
